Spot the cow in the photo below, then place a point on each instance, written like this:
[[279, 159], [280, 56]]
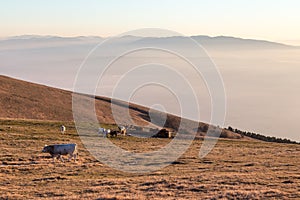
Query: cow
[[122, 129], [113, 134], [104, 131], [63, 129], [57, 150]]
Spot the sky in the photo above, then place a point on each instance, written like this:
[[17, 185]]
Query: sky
[[274, 20]]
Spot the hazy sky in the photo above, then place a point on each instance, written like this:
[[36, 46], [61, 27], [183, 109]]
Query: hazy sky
[[275, 20]]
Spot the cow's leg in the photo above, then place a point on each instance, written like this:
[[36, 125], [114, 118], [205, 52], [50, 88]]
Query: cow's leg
[[70, 156], [54, 156], [75, 156], [60, 157]]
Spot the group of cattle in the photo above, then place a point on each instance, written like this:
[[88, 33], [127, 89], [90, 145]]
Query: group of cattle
[[58, 150], [112, 133]]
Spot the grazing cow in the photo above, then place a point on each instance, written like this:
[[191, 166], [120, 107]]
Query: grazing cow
[[122, 130], [57, 150], [62, 129], [101, 131], [163, 133], [113, 133], [104, 131]]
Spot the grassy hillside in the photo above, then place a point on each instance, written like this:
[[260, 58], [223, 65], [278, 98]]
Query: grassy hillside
[[20, 99], [24, 100]]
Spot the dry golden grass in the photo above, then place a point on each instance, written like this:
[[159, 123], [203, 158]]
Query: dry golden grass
[[235, 169], [25, 100]]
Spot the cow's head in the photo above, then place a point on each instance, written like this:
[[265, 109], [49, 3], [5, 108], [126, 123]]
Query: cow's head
[[46, 149]]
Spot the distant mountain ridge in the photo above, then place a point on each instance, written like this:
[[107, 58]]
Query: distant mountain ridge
[[201, 39], [219, 42]]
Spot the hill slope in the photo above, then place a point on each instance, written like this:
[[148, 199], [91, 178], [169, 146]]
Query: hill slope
[[20, 99], [23, 100]]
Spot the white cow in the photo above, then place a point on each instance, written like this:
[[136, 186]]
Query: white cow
[[103, 131], [63, 129], [57, 150]]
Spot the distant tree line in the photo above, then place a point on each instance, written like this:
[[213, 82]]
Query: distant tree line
[[262, 137]]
